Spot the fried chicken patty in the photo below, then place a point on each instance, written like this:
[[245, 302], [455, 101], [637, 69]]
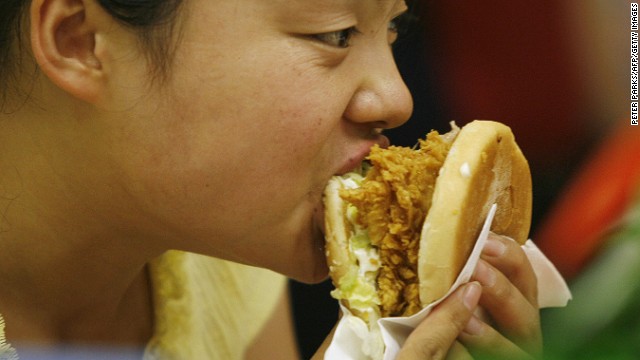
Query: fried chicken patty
[[392, 204]]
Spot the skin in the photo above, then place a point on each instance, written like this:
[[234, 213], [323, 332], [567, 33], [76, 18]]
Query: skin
[[503, 287], [102, 169]]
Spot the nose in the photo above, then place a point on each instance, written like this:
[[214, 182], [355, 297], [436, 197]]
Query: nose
[[382, 98]]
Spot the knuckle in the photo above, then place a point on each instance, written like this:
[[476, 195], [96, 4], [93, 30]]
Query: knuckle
[[503, 290], [435, 344], [432, 353], [516, 256], [433, 348]]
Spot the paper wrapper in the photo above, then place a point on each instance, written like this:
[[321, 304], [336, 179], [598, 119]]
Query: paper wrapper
[[349, 338]]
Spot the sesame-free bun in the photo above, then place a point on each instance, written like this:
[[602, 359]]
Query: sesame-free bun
[[484, 166]]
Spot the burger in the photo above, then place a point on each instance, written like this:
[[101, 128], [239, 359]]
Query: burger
[[400, 228]]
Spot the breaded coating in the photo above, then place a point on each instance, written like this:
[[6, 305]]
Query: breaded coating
[[392, 203]]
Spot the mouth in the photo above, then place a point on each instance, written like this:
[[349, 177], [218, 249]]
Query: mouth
[[355, 160], [350, 164]]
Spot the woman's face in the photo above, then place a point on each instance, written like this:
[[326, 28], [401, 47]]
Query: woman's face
[[266, 101]]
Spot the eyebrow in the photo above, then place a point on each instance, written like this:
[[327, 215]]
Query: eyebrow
[[395, 3], [384, 2]]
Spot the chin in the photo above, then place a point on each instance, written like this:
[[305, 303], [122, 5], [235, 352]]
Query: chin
[[311, 279], [307, 261], [318, 274], [310, 265]]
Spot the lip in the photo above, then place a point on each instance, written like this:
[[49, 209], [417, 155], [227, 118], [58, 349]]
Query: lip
[[356, 157], [354, 160]]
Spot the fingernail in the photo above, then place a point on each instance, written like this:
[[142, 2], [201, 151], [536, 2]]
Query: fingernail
[[474, 326], [471, 295], [494, 246], [485, 274]]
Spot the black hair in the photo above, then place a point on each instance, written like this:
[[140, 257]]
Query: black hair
[[10, 14], [153, 20]]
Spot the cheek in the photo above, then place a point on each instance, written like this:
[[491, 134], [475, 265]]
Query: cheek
[[287, 128], [253, 143], [207, 174]]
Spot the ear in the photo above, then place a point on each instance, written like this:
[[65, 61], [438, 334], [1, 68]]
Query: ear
[[63, 40]]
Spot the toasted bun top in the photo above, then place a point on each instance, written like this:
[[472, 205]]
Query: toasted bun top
[[484, 166]]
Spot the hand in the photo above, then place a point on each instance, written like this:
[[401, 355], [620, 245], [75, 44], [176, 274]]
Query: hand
[[435, 337], [505, 287], [510, 299]]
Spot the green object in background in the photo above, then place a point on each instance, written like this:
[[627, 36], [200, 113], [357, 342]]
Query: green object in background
[[603, 320]]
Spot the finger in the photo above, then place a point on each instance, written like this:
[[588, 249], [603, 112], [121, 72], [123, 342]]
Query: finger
[[458, 352], [510, 310], [435, 335], [483, 341], [507, 256]]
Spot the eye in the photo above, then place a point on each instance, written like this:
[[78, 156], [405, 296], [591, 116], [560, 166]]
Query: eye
[[339, 39], [401, 26]]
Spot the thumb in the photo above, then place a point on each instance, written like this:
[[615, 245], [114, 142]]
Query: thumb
[[435, 335]]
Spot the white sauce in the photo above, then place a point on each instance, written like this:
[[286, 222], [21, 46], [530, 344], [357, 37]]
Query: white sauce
[[465, 170], [368, 259]]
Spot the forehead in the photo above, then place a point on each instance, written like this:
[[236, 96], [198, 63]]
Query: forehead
[[292, 13], [317, 5]]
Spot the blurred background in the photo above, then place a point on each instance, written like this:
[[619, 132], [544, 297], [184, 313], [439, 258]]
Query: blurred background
[[558, 73]]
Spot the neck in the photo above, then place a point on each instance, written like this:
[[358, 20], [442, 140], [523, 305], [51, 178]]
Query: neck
[[70, 270]]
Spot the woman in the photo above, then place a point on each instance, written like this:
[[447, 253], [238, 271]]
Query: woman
[[209, 126]]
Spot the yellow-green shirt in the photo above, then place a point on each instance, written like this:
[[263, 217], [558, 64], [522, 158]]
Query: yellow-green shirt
[[205, 308]]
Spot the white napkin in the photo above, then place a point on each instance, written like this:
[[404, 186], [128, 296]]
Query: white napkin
[[351, 333]]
